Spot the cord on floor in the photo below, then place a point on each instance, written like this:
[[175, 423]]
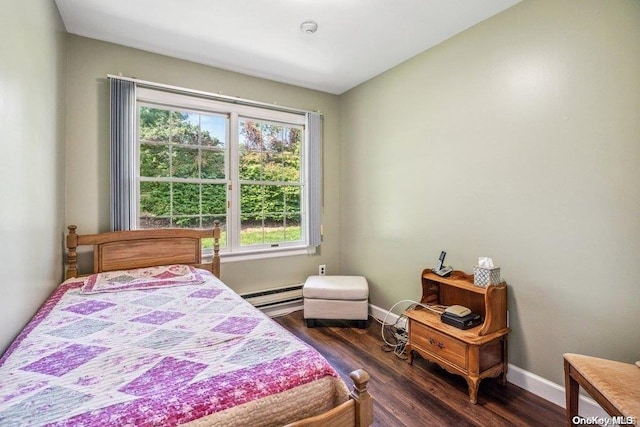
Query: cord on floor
[[395, 337]]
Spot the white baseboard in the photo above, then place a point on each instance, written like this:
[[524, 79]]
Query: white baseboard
[[551, 391], [531, 382], [380, 313]]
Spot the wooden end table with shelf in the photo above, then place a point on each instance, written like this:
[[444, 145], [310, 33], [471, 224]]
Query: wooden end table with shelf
[[475, 353]]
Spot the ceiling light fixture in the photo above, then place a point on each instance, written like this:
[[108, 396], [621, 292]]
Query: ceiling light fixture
[[309, 27]]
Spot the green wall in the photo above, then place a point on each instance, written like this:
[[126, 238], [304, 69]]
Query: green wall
[[32, 65], [518, 139]]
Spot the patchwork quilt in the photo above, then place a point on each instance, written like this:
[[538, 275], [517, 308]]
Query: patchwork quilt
[[178, 347]]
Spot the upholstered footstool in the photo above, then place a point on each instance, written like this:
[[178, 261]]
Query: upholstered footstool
[[336, 298]]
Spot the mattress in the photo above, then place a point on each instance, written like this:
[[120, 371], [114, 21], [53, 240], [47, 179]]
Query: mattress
[[163, 351]]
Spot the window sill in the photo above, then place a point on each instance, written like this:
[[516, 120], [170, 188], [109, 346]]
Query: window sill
[[266, 253]]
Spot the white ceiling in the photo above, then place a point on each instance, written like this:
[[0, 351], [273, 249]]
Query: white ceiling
[[356, 39]]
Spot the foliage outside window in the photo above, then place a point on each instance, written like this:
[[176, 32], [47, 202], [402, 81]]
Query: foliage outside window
[[199, 165], [270, 190]]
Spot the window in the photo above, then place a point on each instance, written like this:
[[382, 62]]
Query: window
[[270, 182], [182, 168], [201, 160]]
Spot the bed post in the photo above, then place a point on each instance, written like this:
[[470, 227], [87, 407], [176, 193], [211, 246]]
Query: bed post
[[362, 398], [215, 267], [72, 255]]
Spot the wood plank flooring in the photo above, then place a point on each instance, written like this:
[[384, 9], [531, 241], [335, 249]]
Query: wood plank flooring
[[421, 394]]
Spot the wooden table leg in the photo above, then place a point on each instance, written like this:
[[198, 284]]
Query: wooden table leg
[[571, 394], [473, 383], [505, 360], [409, 355]]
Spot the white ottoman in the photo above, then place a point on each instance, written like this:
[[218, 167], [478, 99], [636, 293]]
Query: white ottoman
[[336, 298]]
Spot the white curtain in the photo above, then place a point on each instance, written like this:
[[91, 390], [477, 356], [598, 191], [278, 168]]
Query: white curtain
[[314, 129], [123, 132]]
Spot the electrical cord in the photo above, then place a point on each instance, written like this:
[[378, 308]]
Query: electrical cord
[[397, 334]]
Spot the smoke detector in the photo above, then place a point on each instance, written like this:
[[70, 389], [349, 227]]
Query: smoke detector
[[309, 27]]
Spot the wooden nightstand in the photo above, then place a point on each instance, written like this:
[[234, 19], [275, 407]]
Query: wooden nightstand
[[475, 353]]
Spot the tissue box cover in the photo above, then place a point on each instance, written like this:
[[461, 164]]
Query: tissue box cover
[[486, 276]]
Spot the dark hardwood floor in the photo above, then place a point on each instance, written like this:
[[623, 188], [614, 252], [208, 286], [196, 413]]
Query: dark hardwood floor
[[421, 394]]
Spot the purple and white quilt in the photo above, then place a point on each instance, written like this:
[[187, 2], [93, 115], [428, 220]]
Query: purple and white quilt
[[145, 355]]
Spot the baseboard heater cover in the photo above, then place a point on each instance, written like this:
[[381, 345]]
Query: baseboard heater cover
[[274, 296]]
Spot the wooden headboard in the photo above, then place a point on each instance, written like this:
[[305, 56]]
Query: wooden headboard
[[123, 250]]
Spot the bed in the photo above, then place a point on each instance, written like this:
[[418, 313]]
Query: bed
[[153, 337]]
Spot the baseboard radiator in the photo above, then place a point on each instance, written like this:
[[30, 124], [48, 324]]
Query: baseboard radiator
[[271, 298]]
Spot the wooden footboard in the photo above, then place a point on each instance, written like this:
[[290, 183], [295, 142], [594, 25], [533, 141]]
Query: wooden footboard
[[357, 411]]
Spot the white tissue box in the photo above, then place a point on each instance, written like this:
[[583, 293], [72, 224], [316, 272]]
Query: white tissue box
[[483, 276]]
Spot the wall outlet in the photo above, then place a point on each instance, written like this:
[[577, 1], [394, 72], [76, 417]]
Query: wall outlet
[[322, 269]]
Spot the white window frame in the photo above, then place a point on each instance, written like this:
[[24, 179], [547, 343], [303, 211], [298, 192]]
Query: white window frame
[[233, 251]]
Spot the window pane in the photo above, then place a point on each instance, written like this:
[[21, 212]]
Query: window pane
[[154, 160], [291, 154], [272, 137], [293, 231], [279, 167], [213, 131], [186, 199], [272, 159], [279, 147], [292, 140], [272, 167], [250, 147], [185, 128], [214, 199], [274, 201], [212, 166], [250, 135], [250, 166], [154, 124], [269, 153], [274, 231], [251, 220], [185, 162], [251, 230], [292, 199], [270, 214], [271, 230], [252, 202], [290, 167], [155, 204]]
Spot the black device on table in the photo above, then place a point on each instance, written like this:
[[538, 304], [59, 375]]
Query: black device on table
[[460, 317]]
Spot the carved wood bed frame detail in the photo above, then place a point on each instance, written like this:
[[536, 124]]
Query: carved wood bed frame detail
[[123, 250]]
